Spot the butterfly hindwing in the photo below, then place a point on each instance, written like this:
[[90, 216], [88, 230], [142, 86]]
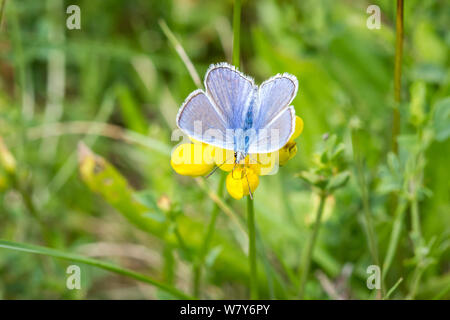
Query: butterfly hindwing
[[274, 120], [275, 134]]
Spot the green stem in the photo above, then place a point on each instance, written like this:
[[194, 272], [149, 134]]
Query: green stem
[[306, 261], [252, 248], [198, 266], [169, 265], [2, 11], [397, 74], [418, 241], [181, 53], [31, 208], [388, 294], [415, 218], [368, 222], [181, 242], [395, 236], [236, 32], [416, 280]]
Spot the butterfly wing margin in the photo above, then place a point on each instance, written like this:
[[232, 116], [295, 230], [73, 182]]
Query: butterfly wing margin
[[199, 119], [276, 134]]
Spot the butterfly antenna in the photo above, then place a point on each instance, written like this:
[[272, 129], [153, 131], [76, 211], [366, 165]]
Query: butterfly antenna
[[215, 168], [212, 171]]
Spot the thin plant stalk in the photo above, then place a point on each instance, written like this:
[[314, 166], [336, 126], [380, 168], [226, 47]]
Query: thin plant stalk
[[415, 218], [236, 32], [198, 266], [56, 76], [397, 74], [388, 294], [418, 272], [180, 241], [368, 221], [417, 234], [252, 248], [395, 236], [400, 206], [181, 53], [2, 11], [306, 261]]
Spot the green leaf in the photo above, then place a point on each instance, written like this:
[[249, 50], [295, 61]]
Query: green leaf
[[147, 199], [409, 142], [5, 244], [158, 216], [131, 113], [212, 256], [417, 105], [338, 181], [337, 152], [309, 177], [441, 119]]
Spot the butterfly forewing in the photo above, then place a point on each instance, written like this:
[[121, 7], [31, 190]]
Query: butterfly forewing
[[232, 92], [199, 119], [275, 95]]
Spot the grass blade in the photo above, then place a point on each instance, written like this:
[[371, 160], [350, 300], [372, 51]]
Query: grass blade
[[23, 247], [179, 48], [393, 289], [236, 32]]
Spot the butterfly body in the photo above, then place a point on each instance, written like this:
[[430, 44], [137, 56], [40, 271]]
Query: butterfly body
[[235, 114]]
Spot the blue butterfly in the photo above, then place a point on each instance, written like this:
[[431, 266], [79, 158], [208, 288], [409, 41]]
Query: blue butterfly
[[235, 114]]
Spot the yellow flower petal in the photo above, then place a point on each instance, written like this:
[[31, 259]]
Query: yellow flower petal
[[192, 159], [298, 128], [266, 163], [287, 152], [238, 182], [224, 159]]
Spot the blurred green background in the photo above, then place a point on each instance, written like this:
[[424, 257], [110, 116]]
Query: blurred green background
[[60, 86]]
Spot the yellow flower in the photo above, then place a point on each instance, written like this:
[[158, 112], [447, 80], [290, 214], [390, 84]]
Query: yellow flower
[[267, 161], [198, 159], [192, 159], [290, 149], [7, 160], [298, 128], [265, 164], [224, 159], [241, 180]]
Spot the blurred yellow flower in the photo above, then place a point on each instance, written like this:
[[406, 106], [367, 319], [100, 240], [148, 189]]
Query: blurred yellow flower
[[241, 181], [198, 159], [287, 152], [192, 159], [298, 128]]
